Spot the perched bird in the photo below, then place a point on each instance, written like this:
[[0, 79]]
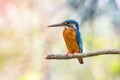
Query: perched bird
[[72, 37]]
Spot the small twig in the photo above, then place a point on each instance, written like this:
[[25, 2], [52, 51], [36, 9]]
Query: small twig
[[85, 54]]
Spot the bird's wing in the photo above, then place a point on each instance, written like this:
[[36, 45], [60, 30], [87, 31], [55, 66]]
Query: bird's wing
[[79, 40]]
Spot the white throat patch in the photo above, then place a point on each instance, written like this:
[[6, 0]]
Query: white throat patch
[[74, 27]]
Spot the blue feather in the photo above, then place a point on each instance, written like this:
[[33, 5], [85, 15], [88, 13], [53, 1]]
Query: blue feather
[[79, 40]]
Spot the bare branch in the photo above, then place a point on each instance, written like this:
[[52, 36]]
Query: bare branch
[[85, 54]]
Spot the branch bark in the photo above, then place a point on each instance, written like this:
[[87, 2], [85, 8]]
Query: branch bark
[[85, 54]]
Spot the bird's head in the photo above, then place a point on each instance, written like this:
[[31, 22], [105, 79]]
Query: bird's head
[[67, 23]]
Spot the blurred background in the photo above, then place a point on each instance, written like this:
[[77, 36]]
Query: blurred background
[[25, 39]]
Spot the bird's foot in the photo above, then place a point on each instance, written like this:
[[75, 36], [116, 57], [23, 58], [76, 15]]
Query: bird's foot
[[67, 54], [72, 54]]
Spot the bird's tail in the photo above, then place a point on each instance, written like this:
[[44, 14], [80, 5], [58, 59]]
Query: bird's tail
[[80, 60]]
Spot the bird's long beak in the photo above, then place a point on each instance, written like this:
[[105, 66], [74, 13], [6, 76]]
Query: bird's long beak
[[56, 25]]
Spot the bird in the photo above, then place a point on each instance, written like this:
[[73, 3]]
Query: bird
[[72, 37]]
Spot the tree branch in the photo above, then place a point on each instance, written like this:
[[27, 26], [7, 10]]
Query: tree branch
[[85, 54]]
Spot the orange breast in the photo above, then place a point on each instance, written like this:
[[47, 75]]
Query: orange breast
[[71, 41]]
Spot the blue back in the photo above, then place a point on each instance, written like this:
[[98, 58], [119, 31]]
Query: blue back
[[78, 34], [79, 40]]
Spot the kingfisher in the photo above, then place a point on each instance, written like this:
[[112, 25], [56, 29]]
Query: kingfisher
[[72, 37]]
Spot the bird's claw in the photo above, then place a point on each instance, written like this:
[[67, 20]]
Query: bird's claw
[[73, 54], [67, 54]]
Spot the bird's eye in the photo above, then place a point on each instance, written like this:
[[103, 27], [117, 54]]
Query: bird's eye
[[67, 22]]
